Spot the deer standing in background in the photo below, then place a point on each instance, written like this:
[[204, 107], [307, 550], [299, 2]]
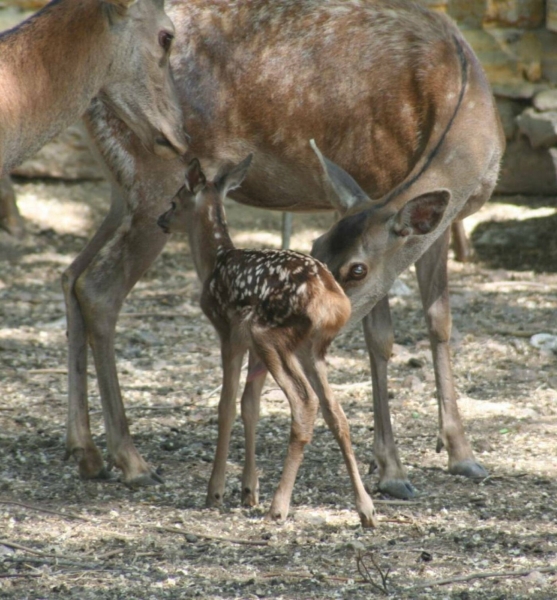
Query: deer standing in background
[[55, 62], [392, 94], [286, 308]]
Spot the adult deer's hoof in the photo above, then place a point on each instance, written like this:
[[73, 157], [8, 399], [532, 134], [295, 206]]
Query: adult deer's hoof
[[468, 468], [398, 488], [145, 480], [214, 500]]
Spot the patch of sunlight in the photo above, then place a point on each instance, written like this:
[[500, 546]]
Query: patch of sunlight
[[48, 212], [501, 211], [257, 239], [47, 257]]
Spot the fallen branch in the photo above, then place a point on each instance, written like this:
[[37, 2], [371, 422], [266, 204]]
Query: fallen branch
[[45, 510], [18, 575], [215, 538], [483, 575]]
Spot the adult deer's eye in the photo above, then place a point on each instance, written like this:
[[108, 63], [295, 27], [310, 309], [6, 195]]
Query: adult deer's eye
[[165, 40], [357, 271]]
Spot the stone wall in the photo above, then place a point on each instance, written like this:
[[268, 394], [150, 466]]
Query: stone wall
[[514, 40]]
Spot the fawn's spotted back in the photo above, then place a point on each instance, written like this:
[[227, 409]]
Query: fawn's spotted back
[[271, 286]]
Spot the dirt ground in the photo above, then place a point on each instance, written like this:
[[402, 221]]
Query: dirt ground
[[107, 541]]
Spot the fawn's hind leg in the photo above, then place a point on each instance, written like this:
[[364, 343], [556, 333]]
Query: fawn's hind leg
[[289, 375], [338, 424]]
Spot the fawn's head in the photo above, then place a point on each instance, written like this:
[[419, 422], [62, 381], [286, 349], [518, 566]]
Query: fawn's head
[[361, 248], [202, 199]]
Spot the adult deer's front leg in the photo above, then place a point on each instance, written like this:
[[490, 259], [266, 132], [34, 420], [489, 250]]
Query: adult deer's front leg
[[431, 270], [100, 290], [378, 332]]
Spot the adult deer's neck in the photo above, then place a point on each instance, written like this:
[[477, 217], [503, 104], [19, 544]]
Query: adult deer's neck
[[50, 67], [208, 233]]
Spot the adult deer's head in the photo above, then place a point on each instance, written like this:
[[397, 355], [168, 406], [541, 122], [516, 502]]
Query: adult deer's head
[[361, 248], [140, 89]]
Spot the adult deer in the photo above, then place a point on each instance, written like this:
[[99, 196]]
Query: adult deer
[[391, 92], [55, 62], [286, 308]]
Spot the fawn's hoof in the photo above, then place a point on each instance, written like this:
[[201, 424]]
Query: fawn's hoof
[[468, 468], [276, 515]]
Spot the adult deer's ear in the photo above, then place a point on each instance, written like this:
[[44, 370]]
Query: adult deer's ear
[[231, 178], [195, 178], [346, 192], [421, 215]]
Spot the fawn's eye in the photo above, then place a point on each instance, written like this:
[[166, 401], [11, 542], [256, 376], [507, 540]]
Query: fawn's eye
[[357, 271], [165, 40]]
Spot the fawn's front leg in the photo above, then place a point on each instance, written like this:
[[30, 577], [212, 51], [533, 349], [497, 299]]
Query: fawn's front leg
[[231, 365]]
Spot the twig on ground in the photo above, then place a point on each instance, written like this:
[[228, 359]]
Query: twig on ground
[[49, 511], [53, 371], [18, 575], [365, 572], [285, 574], [483, 575], [51, 560], [162, 315], [216, 538]]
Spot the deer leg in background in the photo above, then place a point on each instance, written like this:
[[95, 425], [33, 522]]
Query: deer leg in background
[[250, 403], [10, 219], [431, 270], [232, 358], [378, 332], [463, 250], [100, 291], [334, 416]]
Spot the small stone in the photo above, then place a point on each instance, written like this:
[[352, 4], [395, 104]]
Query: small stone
[[546, 100], [191, 538]]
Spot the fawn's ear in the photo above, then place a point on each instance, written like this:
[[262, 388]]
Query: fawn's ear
[[421, 215], [230, 179], [195, 178]]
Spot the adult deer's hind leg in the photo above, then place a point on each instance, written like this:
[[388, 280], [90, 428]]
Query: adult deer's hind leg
[[378, 332], [431, 270], [114, 261]]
